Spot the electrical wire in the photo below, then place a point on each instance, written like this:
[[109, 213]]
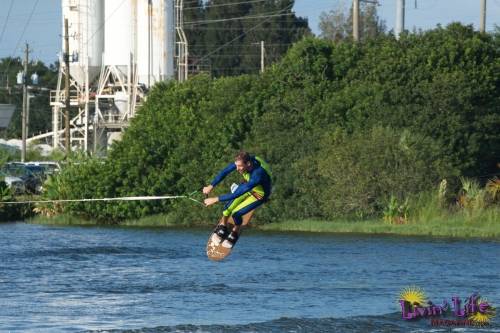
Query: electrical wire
[[224, 4], [105, 20], [241, 35], [251, 44], [26, 26], [197, 28], [6, 20], [21, 37], [248, 17]]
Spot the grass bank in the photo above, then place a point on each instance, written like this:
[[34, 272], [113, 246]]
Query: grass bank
[[152, 221], [478, 224]]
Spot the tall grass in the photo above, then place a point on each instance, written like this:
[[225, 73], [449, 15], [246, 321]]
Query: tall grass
[[429, 214]]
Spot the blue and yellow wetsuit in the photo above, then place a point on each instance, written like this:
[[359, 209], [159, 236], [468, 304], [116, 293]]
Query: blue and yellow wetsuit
[[249, 195]]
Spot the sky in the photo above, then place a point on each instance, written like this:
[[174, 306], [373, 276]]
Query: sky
[[39, 23]]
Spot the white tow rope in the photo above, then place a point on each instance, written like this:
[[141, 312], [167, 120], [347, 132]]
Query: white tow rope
[[139, 198]]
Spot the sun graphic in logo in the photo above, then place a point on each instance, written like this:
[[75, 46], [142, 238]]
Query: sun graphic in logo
[[483, 318], [413, 295]]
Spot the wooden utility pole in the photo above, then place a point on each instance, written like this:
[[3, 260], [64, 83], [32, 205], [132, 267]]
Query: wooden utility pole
[[482, 22], [25, 104], [262, 52], [67, 134], [355, 20]]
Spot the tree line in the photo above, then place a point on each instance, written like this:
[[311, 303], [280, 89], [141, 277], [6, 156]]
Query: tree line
[[345, 126]]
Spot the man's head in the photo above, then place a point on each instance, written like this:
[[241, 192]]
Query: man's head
[[243, 162]]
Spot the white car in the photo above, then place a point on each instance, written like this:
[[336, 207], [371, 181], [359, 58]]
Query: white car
[[16, 184]]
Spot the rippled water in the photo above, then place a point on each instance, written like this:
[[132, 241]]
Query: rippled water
[[156, 280]]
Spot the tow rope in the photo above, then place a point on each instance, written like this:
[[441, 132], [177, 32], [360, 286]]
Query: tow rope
[[137, 198]]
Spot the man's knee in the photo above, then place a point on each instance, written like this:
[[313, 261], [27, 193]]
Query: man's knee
[[238, 220]]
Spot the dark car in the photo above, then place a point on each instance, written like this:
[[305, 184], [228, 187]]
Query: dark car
[[32, 182], [50, 167]]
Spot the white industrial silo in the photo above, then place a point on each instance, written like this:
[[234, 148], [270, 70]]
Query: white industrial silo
[[86, 44], [151, 41], [135, 53], [86, 37], [134, 59], [119, 34], [129, 44]]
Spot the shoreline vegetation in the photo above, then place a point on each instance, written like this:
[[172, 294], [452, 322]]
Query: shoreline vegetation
[[381, 137], [479, 224]]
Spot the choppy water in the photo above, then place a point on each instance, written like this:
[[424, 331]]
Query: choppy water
[[151, 280]]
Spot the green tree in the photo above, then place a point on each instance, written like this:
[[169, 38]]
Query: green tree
[[345, 126], [40, 111], [361, 171]]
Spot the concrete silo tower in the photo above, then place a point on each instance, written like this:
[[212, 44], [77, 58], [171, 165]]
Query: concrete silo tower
[[86, 44], [118, 49], [135, 57]]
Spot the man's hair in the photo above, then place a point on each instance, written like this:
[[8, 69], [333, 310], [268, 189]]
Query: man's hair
[[243, 156]]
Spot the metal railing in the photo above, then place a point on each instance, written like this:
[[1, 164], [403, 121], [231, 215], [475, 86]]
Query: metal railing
[[58, 99]]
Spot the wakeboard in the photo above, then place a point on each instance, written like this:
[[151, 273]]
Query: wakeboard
[[216, 248]]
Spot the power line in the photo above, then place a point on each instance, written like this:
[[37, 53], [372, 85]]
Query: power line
[[248, 17], [39, 13], [6, 20], [21, 37], [225, 4], [26, 26], [242, 34], [235, 55], [238, 69], [251, 44], [105, 20], [238, 29]]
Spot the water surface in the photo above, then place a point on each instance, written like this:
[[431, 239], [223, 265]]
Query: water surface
[[159, 280]]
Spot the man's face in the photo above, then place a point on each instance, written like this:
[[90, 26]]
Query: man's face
[[242, 167]]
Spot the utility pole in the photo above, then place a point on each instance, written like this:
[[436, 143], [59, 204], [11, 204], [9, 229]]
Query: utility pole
[[25, 104], [66, 82], [400, 17], [262, 56], [355, 20], [150, 26], [482, 22]]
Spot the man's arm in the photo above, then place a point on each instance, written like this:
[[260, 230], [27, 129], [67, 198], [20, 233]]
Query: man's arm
[[245, 187], [226, 171]]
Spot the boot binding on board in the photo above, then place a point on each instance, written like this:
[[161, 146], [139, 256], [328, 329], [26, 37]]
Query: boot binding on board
[[221, 231], [231, 240]]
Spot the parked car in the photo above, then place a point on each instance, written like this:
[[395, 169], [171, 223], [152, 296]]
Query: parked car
[[15, 184], [50, 167], [32, 182]]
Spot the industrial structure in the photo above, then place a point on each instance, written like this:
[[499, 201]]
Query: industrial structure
[[116, 51]]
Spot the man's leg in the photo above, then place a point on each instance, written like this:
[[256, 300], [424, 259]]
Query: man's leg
[[242, 209], [221, 230], [231, 206], [245, 207]]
